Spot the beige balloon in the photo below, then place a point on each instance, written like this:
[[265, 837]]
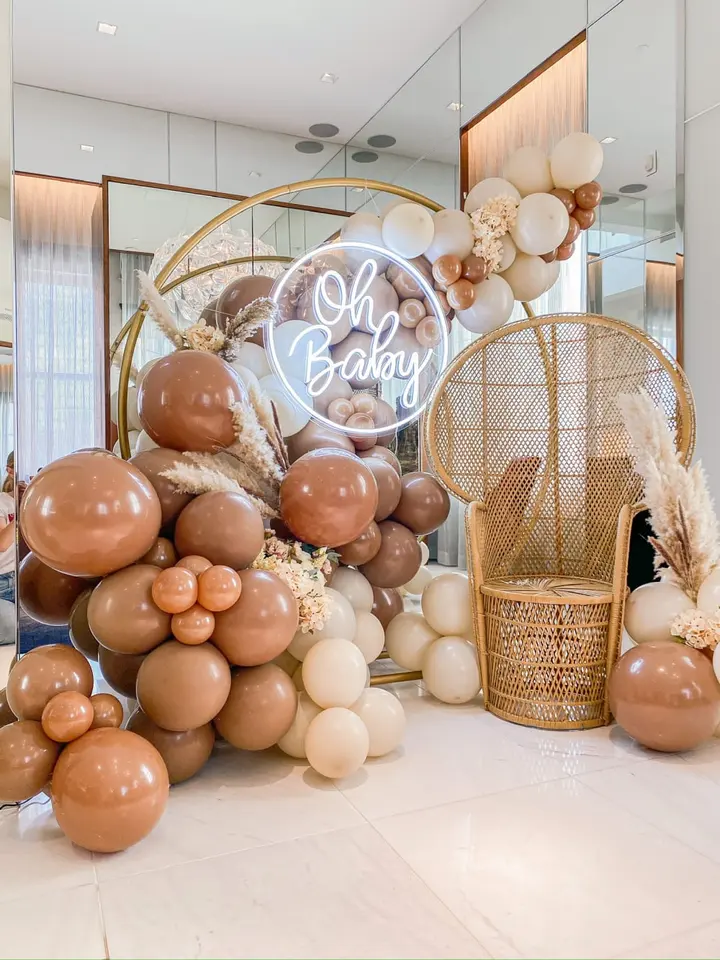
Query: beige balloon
[[337, 743], [354, 587], [293, 743], [709, 593], [422, 579], [576, 159], [369, 635], [341, 622], [488, 189], [528, 169], [527, 277], [333, 673], [651, 608], [447, 605], [337, 389], [552, 272], [453, 234], [541, 225], [301, 644], [492, 307], [451, 671], [297, 679], [407, 639], [509, 252], [425, 552], [383, 715], [408, 230]]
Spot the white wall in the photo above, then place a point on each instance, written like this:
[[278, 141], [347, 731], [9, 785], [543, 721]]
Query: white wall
[[6, 281]]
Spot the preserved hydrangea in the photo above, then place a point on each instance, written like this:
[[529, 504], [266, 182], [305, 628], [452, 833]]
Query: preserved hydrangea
[[697, 629], [305, 571], [490, 223]]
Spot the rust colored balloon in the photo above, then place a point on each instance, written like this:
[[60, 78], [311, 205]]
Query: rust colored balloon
[[586, 218], [665, 695], [89, 515], [424, 505], [447, 269], [385, 421], [193, 626], [389, 486], [398, 559], [238, 294], [362, 421], [219, 588], [109, 790], [182, 687], [573, 232], [198, 565], [175, 590], [43, 673], [387, 604], [81, 636], [328, 497], [184, 401], [363, 548], [589, 195], [365, 403], [461, 295], [564, 253], [6, 714], [107, 711], [261, 624], [411, 312], [27, 758], [161, 554], [382, 453], [429, 331], [120, 670], [184, 752], [67, 716], [317, 436], [260, 708], [474, 269], [152, 463], [46, 595], [208, 313], [224, 527], [549, 257], [566, 197], [122, 613]]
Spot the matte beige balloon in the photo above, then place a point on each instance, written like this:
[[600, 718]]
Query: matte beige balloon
[[161, 554], [120, 670], [152, 464], [27, 758], [651, 608], [67, 716], [389, 486], [122, 613], [224, 527], [81, 636], [411, 312], [260, 709], [184, 752], [46, 595], [429, 331], [261, 624], [107, 711], [397, 560], [43, 673]]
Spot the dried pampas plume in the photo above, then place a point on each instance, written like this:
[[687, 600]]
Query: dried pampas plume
[[246, 323], [159, 310], [199, 478]]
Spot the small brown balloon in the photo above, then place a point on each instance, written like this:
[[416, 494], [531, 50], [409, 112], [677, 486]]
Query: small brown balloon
[[120, 670], [586, 218], [461, 295], [564, 253], [152, 463], [424, 505], [573, 232], [429, 331], [398, 559], [382, 453], [549, 257], [365, 403], [122, 613], [222, 526], [184, 752], [411, 312], [193, 626], [261, 624], [567, 197], [219, 588], [175, 590], [474, 269], [67, 716], [407, 287], [195, 564], [442, 297], [389, 486], [46, 595], [238, 294], [385, 420], [6, 714], [81, 636], [107, 711], [260, 709], [362, 421], [387, 604], [317, 436], [339, 410], [589, 195], [447, 269], [363, 548], [161, 554], [27, 758], [43, 673]]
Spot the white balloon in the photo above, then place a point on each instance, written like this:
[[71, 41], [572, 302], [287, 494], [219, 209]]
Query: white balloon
[[383, 715], [418, 583], [337, 743], [367, 228], [407, 638], [453, 234], [651, 608], [709, 593], [354, 587], [527, 277], [293, 743], [488, 189], [552, 272], [145, 442], [529, 170], [447, 604], [408, 230], [294, 364], [424, 553], [369, 636], [143, 371], [391, 204], [577, 159], [287, 662], [246, 375], [133, 436], [542, 224], [337, 389], [133, 419], [291, 415], [492, 307], [302, 642], [509, 252], [334, 672], [451, 671], [253, 357]]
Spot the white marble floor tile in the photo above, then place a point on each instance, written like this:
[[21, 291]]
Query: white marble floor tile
[[555, 870], [53, 926], [342, 894], [701, 943]]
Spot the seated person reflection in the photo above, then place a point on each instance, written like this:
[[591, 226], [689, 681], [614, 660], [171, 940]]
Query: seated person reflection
[[7, 554]]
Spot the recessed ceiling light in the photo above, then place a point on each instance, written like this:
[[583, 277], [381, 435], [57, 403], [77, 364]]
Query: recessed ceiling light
[[309, 146], [364, 156], [608, 200], [255, 173], [633, 188], [608, 140], [381, 140], [86, 147], [109, 28], [455, 105], [324, 130], [329, 78]]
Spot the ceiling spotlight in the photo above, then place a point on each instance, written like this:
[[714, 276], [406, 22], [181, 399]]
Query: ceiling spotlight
[[255, 173], [86, 147], [608, 140], [109, 28], [455, 105], [329, 78]]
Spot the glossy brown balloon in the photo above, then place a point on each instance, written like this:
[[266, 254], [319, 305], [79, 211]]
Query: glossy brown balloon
[[586, 218], [184, 752], [382, 453], [208, 313], [122, 613], [589, 195], [387, 604], [389, 486], [317, 436], [474, 269], [365, 403], [385, 420], [27, 758], [665, 695], [152, 463], [6, 714], [81, 636], [46, 595], [175, 590], [564, 253], [184, 401], [549, 257], [429, 331], [328, 497], [261, 624], [363, 548], [260, 708], [442, 297], [109, 790], [461, 295], [573, 232], [219, 588], [398, 559], [238, 294], [224, 527], [120, 670], [411, 312], [161, 554], [107, 711], [447, 269], [193, 626], [198, 565], [67, 716], [567, 197], [406, 286], [362, 421], [88, 515], [43, 673], [424, 505], [339, 410]]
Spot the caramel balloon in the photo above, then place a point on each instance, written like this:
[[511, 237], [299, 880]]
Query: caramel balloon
[[363, 548], [198, 565], [566, 197], [362, 421], [46, 595], [175, 590], [588, 196], [429, 331], [185, 401], [6, 714], [387, 604], [222, 526], [184, 752], [27, 758], [67, 716], [564, 253], [238, 294], [88, 515], [120, 670], [261, 624], [43, 673], [122, 613], [260, 708], [109, 790], [447, 269], [81, 636], [365, 403], [219, 588], [398, 559], [193, 626], [549, 257], [461, 295], [389, 486], [382, 453], [161, 554], [442, 297], [474, 269], [424, 505], [572, 234], [411, 312], [152, 463], [385, 418], [339, 410], [586, 218], [107, 711], [317, 436]]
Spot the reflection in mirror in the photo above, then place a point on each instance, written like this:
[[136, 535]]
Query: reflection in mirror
[[7, 427]]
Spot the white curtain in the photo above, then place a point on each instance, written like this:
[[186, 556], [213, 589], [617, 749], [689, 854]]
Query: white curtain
[[7, 425], [151, 343]]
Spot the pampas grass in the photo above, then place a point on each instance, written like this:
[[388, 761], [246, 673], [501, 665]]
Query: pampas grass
[[159, 311], [246, 323], [199, 478]]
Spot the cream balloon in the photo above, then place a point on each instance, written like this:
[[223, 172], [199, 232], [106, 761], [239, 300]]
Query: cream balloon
[[447, 606], [293, 743], [552, 272], [709, 593], [407, 639], [527, 277], [529, 170], [291, 416], [542, 224], [383, 715], [408, 230], [254, 358], [144, 370], [509, 252], [424, 552], [145, 442], [354, 587], [337, 389], [337, 743], [651, 608], [293, 358], [369, 635], [367, 228], [333, 673], [492, 307], [133, 437], [716, 668], [341, 621], [450, 670], [489, 189], [246, 375], [419, 582], [133, 418], [453, 234], [577, 159]]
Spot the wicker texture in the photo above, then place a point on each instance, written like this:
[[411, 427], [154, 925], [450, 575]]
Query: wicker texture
[[524, 426]]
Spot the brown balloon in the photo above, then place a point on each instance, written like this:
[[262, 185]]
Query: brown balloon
[[6, 714], [461, 295], [182, 687], [387, 604], [549, 257], [120, 670], [175, 590], [474, 269], [339, 410], [43, 673], [424, 505], [152, 463], [317, 436], [184, 752], [429, 331], [222, 526], [208, 313], [365, 403], [67, 716], [385, 420], [589, 195], [567, 197], [122, 613], [665, 695], [447, 269], [362, 421], [328, 497], [398, 559], [406, 286], [382, 453], [573, 232], [88, 515], [107, 711], [46, 595], [442, 297], [197, 565], [389, 486], [564, 253], [411, 312], [219, 588], [185, 401], [362, 549], [261, 624], [260, 709], [238, 294], [109, 790], [81, 636], [161, 554], [193, 626], [586, 218], [27, 758]]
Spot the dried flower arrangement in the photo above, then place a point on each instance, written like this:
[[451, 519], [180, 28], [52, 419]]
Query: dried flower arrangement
[[305, 571], [490, 223]]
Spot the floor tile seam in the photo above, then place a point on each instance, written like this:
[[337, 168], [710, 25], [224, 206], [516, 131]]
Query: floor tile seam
[[673, 936]]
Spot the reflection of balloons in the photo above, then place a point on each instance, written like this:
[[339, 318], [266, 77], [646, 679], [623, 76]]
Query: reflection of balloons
[[81, 636], [6, 714], [389, 487], [367, 228], [107, 711], [260, 708], [382, 453], [651, 608], [109, 790], [408, 638], [27, 758], [238, 294], [195, 625], [293, 743], [315, 436], [184, 752], [174, 591], [363, 548], [387, 604], [527, 277], [46, 595], [336, 743], [488, 189], [224, 527], [354, 587], [418, 583], [528, 169], [542, 223], [665, 695], [383, 715], [219, 588], [152, 463], [576, 160], [122, 613], [369, 635], [334, 673], [493, 305], [408, 230], [120, 670], [452, 235], [262, 622], [67, 716], [424, 505], [446, 605], [450, 670], [398, 558], [161, 554], [43, 673]]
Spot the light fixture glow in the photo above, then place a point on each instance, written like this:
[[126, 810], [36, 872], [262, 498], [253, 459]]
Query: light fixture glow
[[255, 173], [109, 28], [608, 140], [455, 105], [357, 189], [329, 78], [86, 147]]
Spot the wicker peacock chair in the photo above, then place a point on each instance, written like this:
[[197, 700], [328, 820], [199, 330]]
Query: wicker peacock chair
[[524, 428]]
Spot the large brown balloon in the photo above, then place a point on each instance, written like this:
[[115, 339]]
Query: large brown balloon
[[317, 436], [224, 527], [363, 548], [67, 716], [385, 417], [122, 613], [107, 711], [398, 559], [382, 453], [184, 752], [261, 624], [6, 714], [328, 497], [161, 554], [389, 486], [387, 604], [27, 758], [88, 515], [46, 595], [152, 463], [43, 673], [81, 636], [109, 790], [182, 687], [185, 401], [260, 709], [120, 670], [665, 695], [424, 504], [238, 294]]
